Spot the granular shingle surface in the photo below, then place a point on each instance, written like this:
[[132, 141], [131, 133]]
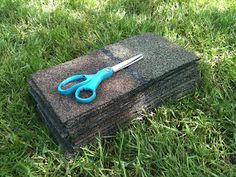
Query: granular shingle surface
[[166, 72]]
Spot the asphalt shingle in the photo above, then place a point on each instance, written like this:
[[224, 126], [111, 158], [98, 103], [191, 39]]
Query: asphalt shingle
[[166, 72]]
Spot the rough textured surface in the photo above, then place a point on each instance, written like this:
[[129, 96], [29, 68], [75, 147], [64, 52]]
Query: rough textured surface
[[65, 106], [166, 72], [161, 56]]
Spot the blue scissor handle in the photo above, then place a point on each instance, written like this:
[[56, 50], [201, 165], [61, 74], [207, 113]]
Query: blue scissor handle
[[90, 83], [84, 78]]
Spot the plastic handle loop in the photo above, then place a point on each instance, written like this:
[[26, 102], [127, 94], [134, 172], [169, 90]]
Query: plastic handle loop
[[84, 78], [92, 85]]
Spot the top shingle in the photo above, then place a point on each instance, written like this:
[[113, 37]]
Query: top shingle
[[160, 57]]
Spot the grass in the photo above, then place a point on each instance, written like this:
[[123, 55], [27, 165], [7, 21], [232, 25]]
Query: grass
[[195, 136]]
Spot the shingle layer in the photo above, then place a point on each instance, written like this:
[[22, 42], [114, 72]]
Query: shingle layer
[[167, 72]]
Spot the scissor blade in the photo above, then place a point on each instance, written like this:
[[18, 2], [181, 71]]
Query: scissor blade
[[127, 63]]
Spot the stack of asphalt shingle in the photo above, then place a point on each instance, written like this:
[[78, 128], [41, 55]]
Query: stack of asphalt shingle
[[166, 72]]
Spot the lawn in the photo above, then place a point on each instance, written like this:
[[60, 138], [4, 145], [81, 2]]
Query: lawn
[[195, 136]]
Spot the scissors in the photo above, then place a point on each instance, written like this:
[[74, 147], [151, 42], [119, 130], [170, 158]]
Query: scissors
[[90, 82]]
